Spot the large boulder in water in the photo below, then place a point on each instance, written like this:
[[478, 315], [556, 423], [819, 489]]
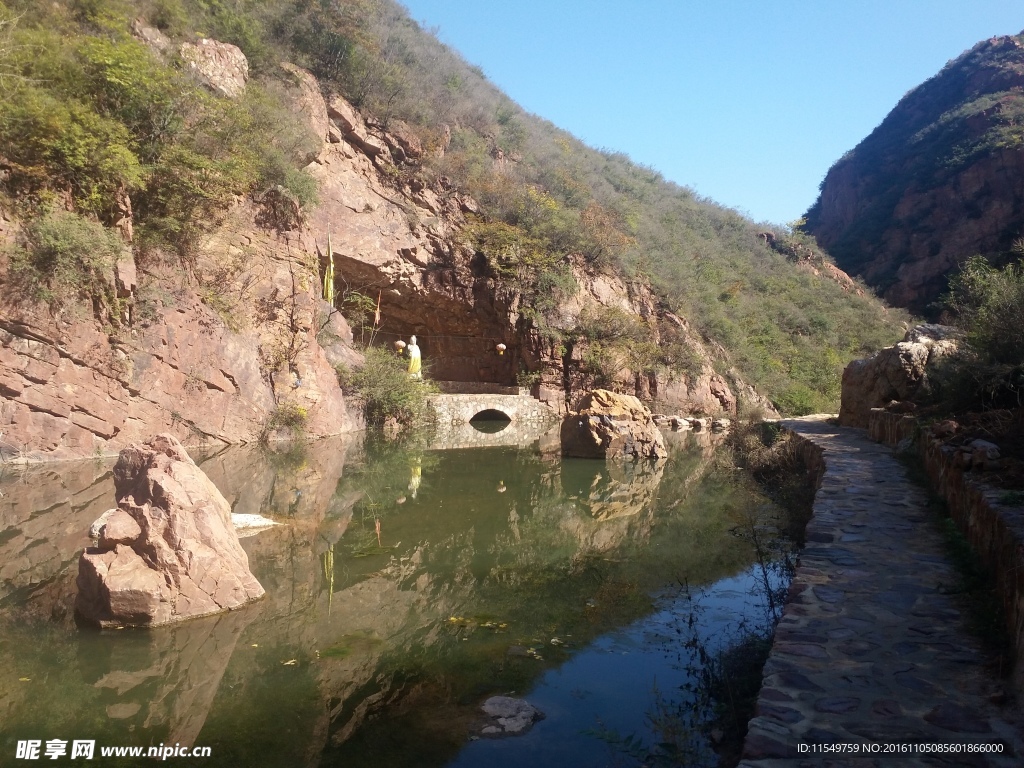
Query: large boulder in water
[[610, 425], [169, 551]]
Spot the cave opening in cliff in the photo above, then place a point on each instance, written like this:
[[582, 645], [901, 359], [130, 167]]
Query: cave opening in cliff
[[490, 421], [458, 335]]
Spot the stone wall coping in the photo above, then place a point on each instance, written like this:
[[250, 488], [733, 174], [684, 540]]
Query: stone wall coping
[[477, 388]]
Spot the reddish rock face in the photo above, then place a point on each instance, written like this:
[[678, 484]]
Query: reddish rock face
[[169, 552], [941, 179], [612, 426], [212, 359]]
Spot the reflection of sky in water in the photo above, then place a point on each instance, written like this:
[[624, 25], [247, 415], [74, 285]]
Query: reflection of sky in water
[[611, 684]]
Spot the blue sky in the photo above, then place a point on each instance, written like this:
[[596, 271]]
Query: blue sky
[[748, 102]]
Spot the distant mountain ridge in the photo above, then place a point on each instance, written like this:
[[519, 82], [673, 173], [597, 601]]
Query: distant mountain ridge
[[941, 179]]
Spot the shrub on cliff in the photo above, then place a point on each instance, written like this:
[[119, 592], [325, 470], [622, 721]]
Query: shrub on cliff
[[64, 256], [51, 143], [526, 261], [387, 392], [608, 341], [989, 307], [83, 115], [91, 117], [287, 419]]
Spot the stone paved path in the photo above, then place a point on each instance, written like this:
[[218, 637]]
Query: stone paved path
[[870, 649]]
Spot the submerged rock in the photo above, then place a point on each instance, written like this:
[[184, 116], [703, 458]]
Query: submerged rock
[[511, 717], [169, 551], [610, 425]]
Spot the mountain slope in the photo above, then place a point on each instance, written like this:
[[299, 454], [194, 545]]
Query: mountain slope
[[779, 325], [941, 179], [133, 143]]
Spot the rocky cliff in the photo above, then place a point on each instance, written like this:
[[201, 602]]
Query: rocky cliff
[[941, 179], [239, 344]]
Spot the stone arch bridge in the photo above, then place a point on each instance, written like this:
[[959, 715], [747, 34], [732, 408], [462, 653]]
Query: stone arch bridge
[[459, 402]]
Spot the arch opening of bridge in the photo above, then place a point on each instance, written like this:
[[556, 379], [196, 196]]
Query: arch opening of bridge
[[490, 420]]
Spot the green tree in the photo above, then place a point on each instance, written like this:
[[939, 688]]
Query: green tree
[[989, 307], [386, 390]]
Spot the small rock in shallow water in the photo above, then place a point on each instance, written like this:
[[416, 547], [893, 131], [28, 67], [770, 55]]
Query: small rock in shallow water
[[513, 716]]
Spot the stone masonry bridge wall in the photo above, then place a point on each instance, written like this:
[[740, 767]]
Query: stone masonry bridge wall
[[460, 409], [518, 435]]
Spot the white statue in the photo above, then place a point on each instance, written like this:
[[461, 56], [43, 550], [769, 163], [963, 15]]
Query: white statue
[[415, 361]]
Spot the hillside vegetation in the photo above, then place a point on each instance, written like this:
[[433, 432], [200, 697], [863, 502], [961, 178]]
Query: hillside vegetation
[[88, 115], [987, 305]]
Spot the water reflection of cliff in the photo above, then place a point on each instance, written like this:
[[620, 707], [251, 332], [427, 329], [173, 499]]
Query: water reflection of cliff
[[363, 583], [45, 514]]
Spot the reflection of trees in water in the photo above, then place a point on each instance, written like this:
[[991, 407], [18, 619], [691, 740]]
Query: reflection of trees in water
[[564, 549], [704, 722], [385, 473], [547, 582]]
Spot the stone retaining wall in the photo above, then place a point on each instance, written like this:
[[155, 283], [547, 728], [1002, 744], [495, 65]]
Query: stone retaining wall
[[995, 530], [812, 455], [890, 428], [871, 648]]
